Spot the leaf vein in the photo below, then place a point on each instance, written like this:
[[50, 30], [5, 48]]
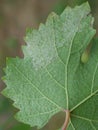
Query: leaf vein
[[84, 118], [72, 125], [88, 97], [34, 114], [36, 87], [92, 125], [54, 78], [94, 78]]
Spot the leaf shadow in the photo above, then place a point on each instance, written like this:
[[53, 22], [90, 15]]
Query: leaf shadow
[[55, 122]]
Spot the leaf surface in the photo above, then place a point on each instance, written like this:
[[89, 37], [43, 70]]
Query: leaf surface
[[51, 77]]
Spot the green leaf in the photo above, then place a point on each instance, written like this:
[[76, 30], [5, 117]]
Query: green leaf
[[51, 77], [20, 127]]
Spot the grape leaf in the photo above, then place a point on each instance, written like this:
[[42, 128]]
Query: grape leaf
[[51, 77]]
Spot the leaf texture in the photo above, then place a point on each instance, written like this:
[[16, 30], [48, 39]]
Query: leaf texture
[[51, 77]]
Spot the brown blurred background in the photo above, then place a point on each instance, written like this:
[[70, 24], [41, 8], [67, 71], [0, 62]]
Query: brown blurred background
[[15, 17]]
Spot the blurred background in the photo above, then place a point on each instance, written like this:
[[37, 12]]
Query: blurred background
[[15, 17]]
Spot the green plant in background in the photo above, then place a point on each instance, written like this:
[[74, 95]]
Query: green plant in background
[[51, 77], [12, 43], [61, 4]]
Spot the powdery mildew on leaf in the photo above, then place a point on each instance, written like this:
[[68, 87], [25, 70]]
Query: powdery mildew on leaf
[[51, 77]]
